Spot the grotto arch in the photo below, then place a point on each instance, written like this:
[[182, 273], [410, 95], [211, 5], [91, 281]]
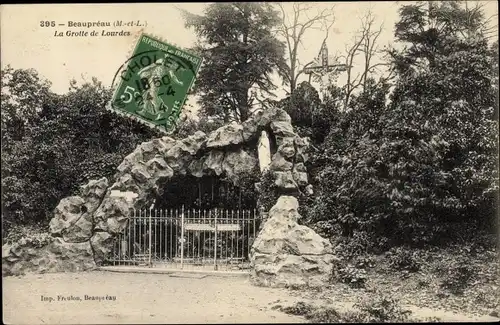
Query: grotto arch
[[84, 226]]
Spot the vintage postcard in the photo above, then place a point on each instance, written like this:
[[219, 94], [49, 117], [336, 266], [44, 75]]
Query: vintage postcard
[[250, 162]]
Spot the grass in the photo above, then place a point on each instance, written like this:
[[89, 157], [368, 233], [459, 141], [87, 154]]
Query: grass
[[461, 279], [380, 310]]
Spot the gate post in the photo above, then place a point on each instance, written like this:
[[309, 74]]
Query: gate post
[[182, 236], [150, 231], [215, 246]]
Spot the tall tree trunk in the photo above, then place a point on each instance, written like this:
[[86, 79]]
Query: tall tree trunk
[[243, 107]]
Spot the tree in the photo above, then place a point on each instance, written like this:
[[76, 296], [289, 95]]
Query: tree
[[23, 94], [430, 27], [293, 32], [365, 43], [410, 170], [240, 52], [66, 141]]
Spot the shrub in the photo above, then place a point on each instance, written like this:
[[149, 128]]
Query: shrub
[[458, 276], [16, 233], [381, 310], [350, 275], [310, 117], [409, 168], [299, 309], [349, 248], [325, 315], [364, 262], [403, 259], [268, 193]]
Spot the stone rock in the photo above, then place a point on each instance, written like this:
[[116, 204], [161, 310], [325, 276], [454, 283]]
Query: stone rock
[[300, 174], [279, 163], [67, 211], [159, 168], [93, 192], [111, 215], [168, 142], [130, 160], [197, 167], [250, 129], [71, 220], [238, 162], [140, 173], [55, 256], [309, 190], [282, 129], [302, 146], [284, 180], [182, 153], [287, 148], [178, 157], [102, 245], [148, 150], [264, 117], [231, 134], [125, 183], [195, 141], [287, 253], [214, 161]]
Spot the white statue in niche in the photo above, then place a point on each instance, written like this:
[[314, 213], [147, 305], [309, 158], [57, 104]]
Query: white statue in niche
[[264, 151]]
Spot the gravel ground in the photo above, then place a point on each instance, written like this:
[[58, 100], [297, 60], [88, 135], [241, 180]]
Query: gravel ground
[[139, 298]]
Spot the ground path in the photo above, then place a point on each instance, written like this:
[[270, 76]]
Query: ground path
[[163, 298], [140, 298]]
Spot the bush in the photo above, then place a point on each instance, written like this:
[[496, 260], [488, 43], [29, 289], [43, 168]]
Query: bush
[[22, 233], [268, 192], [409, 169], [364, 262], [350, 275], [403, 259], [458, 276], [63, 143], [381, 310], [299, 309], [310, 117], [326, 315]]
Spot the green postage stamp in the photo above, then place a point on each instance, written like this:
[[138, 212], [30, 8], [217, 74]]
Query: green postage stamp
[[153, 83]]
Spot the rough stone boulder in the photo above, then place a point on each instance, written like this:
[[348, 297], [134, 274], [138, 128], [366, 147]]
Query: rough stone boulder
[[286, 253], [102, 244], [73, 219], [287, 164], [112, 214], [231, 134], [238, 162], [184, 151], [51, 255]]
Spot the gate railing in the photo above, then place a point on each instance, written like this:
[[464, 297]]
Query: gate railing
[[180, 238]]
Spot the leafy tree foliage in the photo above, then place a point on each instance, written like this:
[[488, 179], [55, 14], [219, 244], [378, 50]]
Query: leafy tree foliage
[[23, 93], [409, 169], [52, 144], [309, 115], [240, 53]]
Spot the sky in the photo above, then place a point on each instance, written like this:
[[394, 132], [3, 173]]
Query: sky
[[25, 44]]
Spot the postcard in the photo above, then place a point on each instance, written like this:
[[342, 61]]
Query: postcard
[[249, 162]]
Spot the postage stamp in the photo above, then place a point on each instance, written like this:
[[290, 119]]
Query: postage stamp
[[152, 85]]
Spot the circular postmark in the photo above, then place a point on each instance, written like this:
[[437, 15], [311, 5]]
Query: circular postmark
[[152, 86]]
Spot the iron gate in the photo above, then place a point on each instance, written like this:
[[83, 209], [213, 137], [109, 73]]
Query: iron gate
[[217, 239]]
